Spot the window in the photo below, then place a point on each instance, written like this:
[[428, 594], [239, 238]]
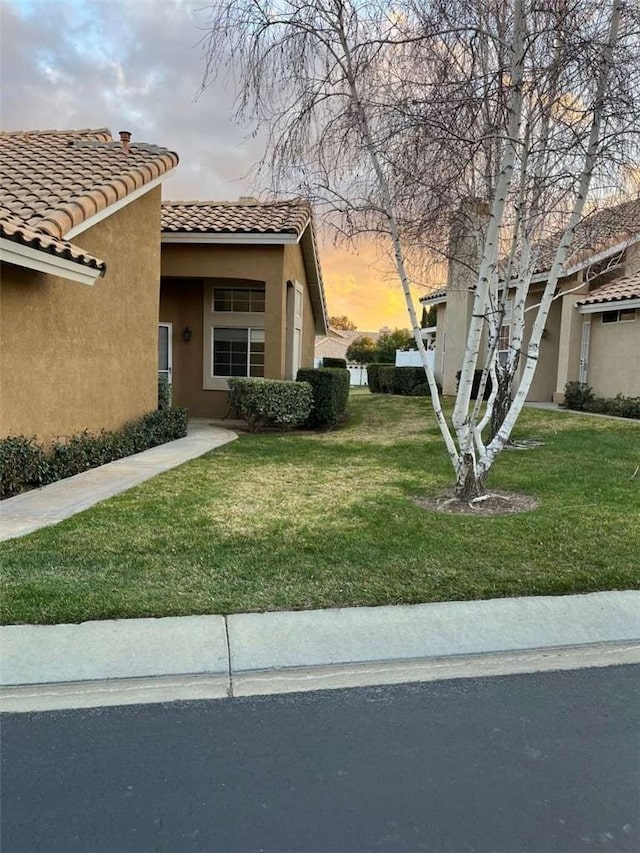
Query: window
[[240, 299], [504, 335], [624, 315], [237, 352]]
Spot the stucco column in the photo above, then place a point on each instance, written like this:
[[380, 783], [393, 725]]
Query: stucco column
[[569, 344], [275, 319], [456, 325]]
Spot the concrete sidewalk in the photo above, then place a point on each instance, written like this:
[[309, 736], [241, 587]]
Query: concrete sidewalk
[[46, 506], [203, 657]]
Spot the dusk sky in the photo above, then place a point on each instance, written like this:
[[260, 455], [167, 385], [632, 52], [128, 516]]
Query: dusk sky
[[138, 65]]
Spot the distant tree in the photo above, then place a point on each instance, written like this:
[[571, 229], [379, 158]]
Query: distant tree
[[388, 343], [430, 317], [343, 323], [362, 350]]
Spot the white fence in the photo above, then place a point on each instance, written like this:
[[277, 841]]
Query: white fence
[[411, 358]]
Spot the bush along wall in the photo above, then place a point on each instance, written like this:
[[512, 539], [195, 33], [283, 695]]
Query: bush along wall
[[340, 363], [477, 376], [330, 389], [271, 402], [403, 381], [373, 374], [579, 397], [26, 464]]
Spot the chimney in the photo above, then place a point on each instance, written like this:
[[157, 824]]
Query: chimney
[[125, 139], [466, 239]]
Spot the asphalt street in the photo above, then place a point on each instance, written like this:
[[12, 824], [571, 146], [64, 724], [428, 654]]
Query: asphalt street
[[538, 762]]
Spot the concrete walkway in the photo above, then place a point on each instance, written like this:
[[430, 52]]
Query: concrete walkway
[[133, 661], [554, 407], [51, 504]]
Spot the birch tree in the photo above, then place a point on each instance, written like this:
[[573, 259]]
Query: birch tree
[[388, 116]]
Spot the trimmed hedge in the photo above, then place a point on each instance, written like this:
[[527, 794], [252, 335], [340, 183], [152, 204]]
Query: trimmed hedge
[[373, 374], [477, 376], [271, 402], [403, 381], [330, 387], [339, 363], [580, 397], [26, 464]]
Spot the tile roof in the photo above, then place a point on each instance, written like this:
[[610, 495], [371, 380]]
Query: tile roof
[[615, 291], [338, 341], [243, 217], [53, 180], [12, 229], [598, 231]]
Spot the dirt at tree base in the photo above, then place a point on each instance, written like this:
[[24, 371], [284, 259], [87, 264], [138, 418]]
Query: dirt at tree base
[[493, 503]]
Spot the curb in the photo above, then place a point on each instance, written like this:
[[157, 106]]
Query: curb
[[155, 660]]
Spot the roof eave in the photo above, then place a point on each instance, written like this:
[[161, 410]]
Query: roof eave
[[314, 279], [39, 260], [232, 238], [624, 302]]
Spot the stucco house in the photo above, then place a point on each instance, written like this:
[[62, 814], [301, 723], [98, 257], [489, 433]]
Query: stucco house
[[592, 332], [241, 295], [79, 280]]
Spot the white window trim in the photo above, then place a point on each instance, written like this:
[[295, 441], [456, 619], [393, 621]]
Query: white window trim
[[221, 319], [169, 327], [26, 256], [617, 311], [248, 330]]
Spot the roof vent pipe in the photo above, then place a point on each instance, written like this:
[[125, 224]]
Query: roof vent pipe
[[125, 139]]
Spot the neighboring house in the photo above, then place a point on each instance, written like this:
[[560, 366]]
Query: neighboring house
[[78, 208], [336, 342], [241, 295], [592, 332]]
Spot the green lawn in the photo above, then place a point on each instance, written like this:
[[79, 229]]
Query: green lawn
[[319, 520]]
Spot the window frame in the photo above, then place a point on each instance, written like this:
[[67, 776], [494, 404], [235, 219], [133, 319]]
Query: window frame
[[250, 330]]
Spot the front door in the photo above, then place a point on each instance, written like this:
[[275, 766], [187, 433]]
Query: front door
[[164, 350]]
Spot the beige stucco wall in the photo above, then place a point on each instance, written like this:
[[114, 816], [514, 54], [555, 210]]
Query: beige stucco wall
[[456, 326], [75, 357], [545, 377], [184, 269], [614, 357]]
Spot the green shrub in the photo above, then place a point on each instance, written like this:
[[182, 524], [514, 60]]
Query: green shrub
[[339, 363], [579, 397], [576, 394], [25, 464], [373, 374], [477, 376], [164, 393], [405, 379], [386, 375], [422, 390], [330, 388], [22, 465], [271, 402]]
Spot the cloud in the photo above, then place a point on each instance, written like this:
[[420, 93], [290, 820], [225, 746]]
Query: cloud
[[138, 65]]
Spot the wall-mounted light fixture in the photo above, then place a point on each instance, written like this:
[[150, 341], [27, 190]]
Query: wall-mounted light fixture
[[187, 334]]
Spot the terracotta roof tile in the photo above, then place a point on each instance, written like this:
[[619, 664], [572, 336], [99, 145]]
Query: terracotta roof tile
[[16, 231], [53, 180], [224, 217], [615, 291], [598, 231]]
